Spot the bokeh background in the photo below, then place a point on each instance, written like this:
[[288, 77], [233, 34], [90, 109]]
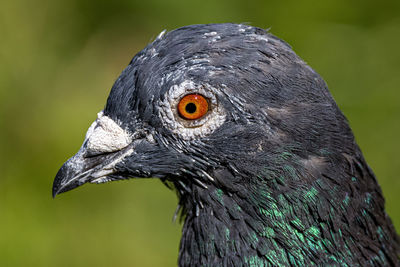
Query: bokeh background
[[58, 61]]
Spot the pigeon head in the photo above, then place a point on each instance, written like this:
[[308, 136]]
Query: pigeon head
[[260, 100], [253, 142]]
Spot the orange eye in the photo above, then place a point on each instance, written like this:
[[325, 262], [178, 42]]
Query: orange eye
[[193, 106]]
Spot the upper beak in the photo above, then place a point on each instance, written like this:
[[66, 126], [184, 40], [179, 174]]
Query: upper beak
[[81, 169], [105, 145]]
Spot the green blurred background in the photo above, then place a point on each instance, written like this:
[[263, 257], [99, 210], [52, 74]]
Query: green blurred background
[[58, 61]]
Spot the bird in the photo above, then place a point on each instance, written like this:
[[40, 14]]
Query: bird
[[264, 163]]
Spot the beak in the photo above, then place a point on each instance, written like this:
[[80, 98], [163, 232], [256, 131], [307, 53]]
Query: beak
[[81, 169], [106, 144]]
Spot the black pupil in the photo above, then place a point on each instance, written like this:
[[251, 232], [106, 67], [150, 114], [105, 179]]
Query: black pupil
[[190, 108]]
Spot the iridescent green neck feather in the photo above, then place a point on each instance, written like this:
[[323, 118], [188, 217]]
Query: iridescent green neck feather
[[302, 214]]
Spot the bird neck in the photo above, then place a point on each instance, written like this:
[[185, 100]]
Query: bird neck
[[277, 222], [228, 229], [217, 231]]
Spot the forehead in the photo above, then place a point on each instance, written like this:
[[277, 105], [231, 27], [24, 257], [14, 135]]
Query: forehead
[[205, 54], [193, 52]]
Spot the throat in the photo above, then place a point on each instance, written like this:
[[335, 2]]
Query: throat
[[216, 236], [223, 229]]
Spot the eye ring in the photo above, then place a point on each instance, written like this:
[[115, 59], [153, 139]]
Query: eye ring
[[193, 106]]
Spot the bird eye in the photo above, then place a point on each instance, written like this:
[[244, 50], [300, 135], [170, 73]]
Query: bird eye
[[193, 106]]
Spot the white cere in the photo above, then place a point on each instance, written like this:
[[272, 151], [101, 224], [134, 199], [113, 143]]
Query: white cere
[[105, 135], [191, 129]]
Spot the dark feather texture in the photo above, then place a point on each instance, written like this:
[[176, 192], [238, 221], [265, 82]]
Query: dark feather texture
[[270, 176]]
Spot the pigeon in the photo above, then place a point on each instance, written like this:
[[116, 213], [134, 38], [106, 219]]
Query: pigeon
[[264, 163]]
